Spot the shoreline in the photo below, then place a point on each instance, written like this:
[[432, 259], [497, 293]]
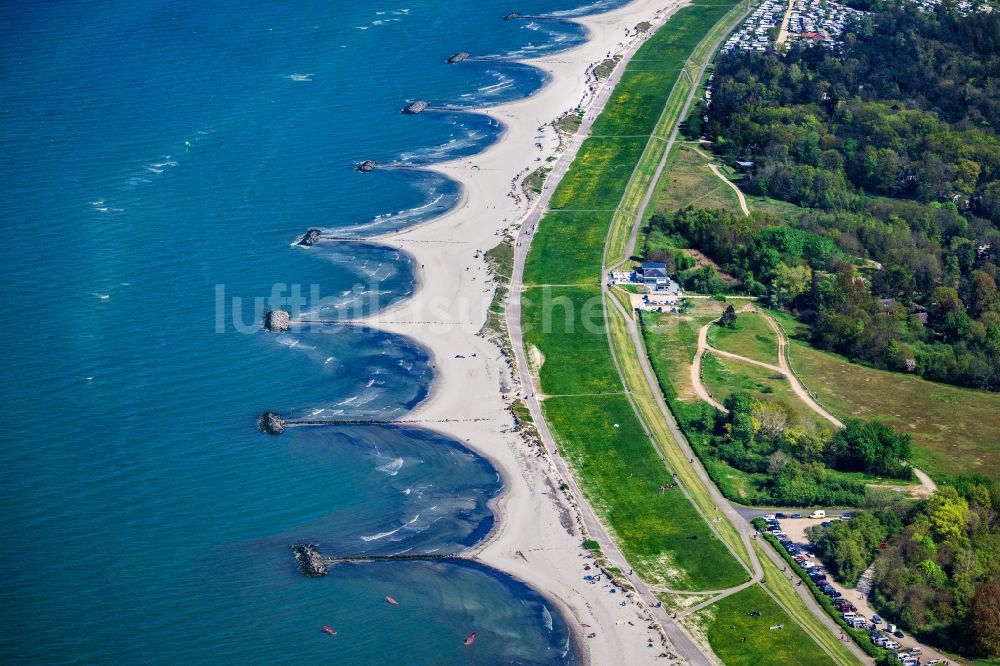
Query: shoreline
[[537, 535]]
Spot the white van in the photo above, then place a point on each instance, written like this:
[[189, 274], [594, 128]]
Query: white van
[[818, 513]]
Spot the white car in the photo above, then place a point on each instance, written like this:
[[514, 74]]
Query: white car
[[850, 615], [891, 645], [915, 650], [769, 516], [806, 564]]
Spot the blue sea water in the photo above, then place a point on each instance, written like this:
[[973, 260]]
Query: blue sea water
[[158, 159]]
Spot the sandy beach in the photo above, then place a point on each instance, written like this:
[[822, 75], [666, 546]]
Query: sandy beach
[[537, 537]]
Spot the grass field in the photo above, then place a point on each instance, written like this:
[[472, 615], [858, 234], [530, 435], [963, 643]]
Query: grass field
[[954, 430], [637, 102], [597, 183], [665, 539], [751, 336], [564, 334], [724, 376], [689, 45], [727, 622], [570, 250]]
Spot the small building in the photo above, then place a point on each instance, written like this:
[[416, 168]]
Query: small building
[[653, 275], [743, 167]]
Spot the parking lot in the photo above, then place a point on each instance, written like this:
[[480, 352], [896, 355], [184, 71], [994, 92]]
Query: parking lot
[[791, 532]]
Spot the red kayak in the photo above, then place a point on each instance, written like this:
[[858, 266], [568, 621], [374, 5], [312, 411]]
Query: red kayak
[[329, 630], [472, 637], [391, 600]]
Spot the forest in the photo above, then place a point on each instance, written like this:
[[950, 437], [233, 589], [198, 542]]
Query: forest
[[936, 562], [889, 148]]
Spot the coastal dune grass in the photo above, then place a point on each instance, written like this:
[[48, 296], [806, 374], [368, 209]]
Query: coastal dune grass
[[666, 540]]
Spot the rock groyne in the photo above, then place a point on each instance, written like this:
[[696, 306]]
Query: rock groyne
[[310, 238], [314, 564], [413, 108], [271, 423], [277, 321]]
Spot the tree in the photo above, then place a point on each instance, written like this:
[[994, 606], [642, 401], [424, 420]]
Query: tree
[[728, 318], [947, 515], [872, 447], [986, 618]]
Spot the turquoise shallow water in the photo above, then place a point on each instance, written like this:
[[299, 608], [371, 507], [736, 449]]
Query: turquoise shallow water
[[158, 160]]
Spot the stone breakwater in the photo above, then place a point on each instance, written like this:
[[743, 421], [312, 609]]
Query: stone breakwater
[[314, 564], [414, 108], [277, 321], [310, 238]]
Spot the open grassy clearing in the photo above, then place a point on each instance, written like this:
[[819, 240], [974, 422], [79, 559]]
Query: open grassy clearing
[[570, 250], [662, 536], [751, 336], [564, 335], [671, 341], [725, 376], [687, 181], [954, 430], [740, 638]]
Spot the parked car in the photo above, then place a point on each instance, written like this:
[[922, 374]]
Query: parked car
[[876, 619], [849, 615], [796, 515], [780, 516], [897, 633], [807, 564], [916, 650], [818, 513], [891, 645], [769, 516]]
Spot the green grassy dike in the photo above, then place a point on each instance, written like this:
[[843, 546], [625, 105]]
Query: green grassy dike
[[565, 336]]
